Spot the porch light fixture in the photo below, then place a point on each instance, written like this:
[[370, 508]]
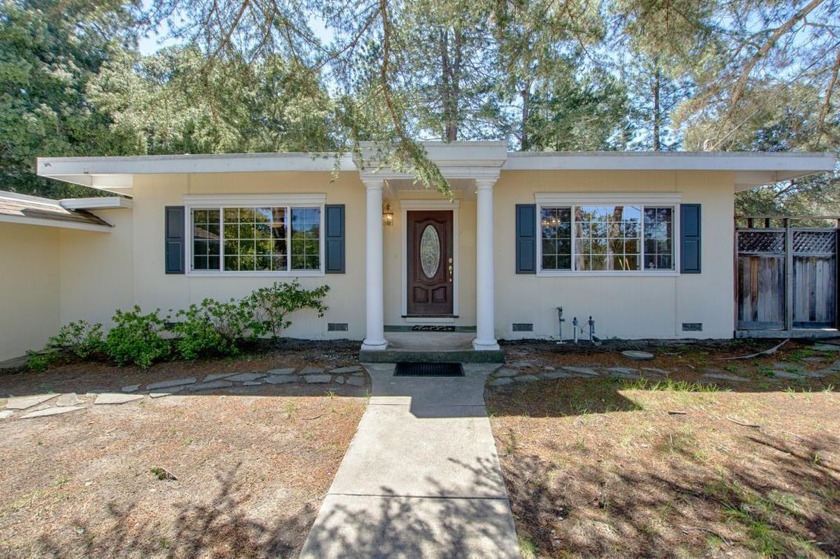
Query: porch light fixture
[[387, 214]]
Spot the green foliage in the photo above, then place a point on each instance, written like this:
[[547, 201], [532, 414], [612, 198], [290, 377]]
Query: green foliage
[[80, 338], [40, 361], [271, 305], [136, 338], [212, 328]]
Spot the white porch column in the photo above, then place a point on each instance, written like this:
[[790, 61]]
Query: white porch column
[[374, 283], [485, 339]]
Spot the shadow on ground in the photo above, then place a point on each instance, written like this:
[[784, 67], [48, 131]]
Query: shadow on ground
[[435, 525], [222, 527]]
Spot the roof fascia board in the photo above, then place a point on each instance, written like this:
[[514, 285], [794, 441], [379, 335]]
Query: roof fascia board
[[672, 161], [55, 223], [191, 164], [103, 203]]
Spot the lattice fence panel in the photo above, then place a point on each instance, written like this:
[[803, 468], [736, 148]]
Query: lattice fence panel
[[814, 243], [761, 242]]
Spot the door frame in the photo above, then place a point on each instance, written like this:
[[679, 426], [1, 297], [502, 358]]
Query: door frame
[[430, 205]]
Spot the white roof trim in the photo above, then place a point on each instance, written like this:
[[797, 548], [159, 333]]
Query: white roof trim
[[55, 223], [103, 203], [469, 160]]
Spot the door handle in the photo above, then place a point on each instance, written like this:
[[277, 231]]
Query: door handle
[[450, 270]]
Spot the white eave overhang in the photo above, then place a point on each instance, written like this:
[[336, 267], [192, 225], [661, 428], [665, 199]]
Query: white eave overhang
[[457, 161], [117, 173], [750, 169], [102, 203]]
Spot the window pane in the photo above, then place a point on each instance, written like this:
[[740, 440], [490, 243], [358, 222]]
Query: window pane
[[658, 238], [305, 238], [607, 237], [205, 237], [556, 230]]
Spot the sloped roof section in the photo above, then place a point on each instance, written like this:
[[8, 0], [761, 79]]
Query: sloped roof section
[[31, 210]]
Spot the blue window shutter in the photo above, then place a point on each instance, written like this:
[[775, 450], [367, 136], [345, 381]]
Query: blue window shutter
[[334, 238], [526, 239], [690, 238], [175, 231]]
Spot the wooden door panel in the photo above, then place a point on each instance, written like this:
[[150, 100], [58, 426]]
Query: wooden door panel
[[430, 263]]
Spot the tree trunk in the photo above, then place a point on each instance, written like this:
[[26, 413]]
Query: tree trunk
[[657, 110], [524, 139]]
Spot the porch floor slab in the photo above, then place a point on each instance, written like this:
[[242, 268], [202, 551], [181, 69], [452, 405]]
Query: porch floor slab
[[434, 347], [421, 477]]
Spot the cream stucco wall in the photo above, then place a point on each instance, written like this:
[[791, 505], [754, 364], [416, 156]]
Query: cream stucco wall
[[155, 289], [29, 287], [97, 270], [630, 306]]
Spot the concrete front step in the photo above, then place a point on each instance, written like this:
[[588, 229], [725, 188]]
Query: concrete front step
[[431, 356]]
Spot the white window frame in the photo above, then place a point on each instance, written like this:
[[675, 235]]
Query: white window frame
[[657, 199], [253, 201]]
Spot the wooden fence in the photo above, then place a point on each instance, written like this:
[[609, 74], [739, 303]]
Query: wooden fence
[[786, 276]]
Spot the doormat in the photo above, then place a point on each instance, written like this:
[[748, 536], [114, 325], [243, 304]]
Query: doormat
[[432, 328], [429, 370]]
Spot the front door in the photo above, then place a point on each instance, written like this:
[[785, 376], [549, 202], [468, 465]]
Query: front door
[[430, 263]]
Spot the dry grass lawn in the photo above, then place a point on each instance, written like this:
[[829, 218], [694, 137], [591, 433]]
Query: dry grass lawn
[[252, 466], [622, 468]]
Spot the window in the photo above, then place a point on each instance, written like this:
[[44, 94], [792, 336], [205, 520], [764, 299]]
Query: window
[[619, 237], [256, 239]]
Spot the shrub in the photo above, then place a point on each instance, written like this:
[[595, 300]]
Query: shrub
[[41, 360], [80, 338], [136, 338], [270, 305], [213, 328]]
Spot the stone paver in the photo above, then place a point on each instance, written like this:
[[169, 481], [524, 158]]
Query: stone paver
[[281, 379], [582, 371], [501, 381], [637, 355], [283, 371], [356, 381], [165, 393], [723, 376], [215, 376], [311, 371], [6, 414], [245, 377], [170, 383], [528, 378], [340, 380], [345, 370], [212, 385], [51, 411], [70, 399], [505, 373], [827, 347], [318, 379], [26, 402], [252, 383], [656, 371], [113, 398], [131, 388]]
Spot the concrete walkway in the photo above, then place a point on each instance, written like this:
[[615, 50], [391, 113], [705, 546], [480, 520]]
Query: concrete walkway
[[421, 477]]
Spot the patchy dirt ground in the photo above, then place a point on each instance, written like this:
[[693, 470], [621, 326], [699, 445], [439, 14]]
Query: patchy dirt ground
[[252, 464], [621, 468]]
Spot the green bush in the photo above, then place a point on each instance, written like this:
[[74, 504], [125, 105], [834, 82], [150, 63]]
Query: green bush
[[271, 305], [41, 360], [213, 328], [136, 338], [80, 338]]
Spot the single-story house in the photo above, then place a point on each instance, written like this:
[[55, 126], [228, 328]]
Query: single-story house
[[641, 242]]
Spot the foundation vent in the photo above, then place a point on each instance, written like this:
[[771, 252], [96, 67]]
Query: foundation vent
[[336, 327], [692, 326], [523, 327]]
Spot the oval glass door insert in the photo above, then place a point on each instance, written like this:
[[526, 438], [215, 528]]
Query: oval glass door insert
[[430, 251]]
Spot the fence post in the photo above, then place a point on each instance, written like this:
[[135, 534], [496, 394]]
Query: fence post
[[788, 276]]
